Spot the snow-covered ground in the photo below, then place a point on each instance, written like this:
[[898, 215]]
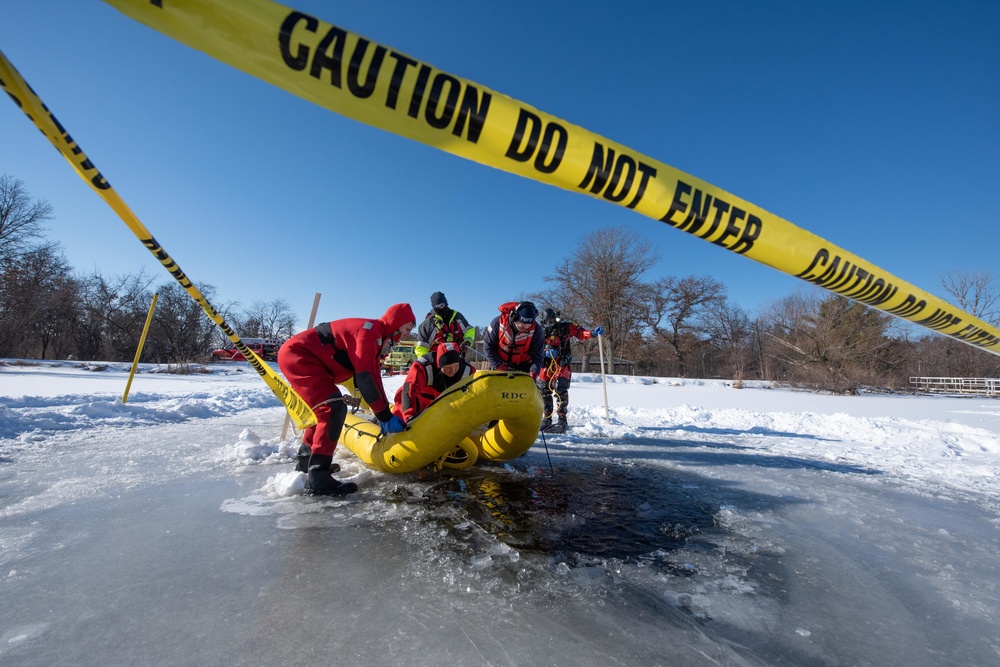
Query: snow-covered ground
[[691, 523]]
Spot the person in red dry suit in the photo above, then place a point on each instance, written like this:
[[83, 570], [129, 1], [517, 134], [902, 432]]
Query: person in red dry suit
[[315, 361], [428, 377], [554, 378]]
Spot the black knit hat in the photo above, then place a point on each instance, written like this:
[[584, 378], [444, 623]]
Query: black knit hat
[[525, 312], [447, 353], [439, 301]]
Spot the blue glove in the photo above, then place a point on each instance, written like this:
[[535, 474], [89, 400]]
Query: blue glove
[[597, 331], [551, 353], [394, 425]]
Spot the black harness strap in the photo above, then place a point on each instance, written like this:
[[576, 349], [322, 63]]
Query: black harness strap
[[326, 337]]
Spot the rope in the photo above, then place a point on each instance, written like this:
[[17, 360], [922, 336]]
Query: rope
[[554, 369], [355, 428]]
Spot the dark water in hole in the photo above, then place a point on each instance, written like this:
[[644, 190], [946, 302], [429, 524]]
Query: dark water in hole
[[584, 513]]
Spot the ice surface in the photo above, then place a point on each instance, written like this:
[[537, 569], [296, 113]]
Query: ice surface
[[702, 525]]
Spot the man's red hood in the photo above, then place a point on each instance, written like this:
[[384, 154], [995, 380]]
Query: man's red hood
[[397, 315]]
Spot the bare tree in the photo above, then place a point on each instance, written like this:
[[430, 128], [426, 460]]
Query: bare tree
[[52, 331], [935, 355], [975, 292], [600, 282], [231, 312], [731, 331], [273, 319], [21, 217], [833, 342], [652, 356], [34, 285], [112, 313], [765, 355], [675, 312], [181, 331]]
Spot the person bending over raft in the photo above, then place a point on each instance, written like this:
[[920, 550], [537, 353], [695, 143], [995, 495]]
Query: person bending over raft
[[316, 360]]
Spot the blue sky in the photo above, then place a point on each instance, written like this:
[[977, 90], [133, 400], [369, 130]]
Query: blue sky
[[874, 125]]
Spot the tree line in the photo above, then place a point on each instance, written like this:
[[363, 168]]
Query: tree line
[[48, 311], [669, 326], [688, 326]]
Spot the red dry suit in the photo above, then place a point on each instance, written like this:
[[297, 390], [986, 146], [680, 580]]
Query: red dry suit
[[554, 378], [425, 381], [315, 361], [557, 349]]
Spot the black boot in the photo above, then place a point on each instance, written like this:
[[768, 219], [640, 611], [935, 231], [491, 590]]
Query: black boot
[[560, 426], [302, 460], [546, 423], [321, 482]]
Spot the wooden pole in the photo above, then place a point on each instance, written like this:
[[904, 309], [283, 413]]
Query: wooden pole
[[312, 321], [604, 379]]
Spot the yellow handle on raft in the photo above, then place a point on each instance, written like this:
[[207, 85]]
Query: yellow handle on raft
[[464, 457]]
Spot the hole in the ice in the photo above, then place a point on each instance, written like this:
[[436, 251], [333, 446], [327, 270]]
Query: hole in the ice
[[586, 513]]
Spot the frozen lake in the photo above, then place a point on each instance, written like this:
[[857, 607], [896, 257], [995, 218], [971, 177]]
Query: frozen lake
[[695, 525], [622, 560]]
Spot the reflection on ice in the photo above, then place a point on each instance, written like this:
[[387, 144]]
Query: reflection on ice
[[594, 530], [581, 514]]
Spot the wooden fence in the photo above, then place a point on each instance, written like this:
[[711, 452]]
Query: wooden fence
[[968, 386]]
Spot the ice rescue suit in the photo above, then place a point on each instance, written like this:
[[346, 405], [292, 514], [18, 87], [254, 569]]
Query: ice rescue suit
[[554, 378], [425, 381], [443, 325], [315, 361]]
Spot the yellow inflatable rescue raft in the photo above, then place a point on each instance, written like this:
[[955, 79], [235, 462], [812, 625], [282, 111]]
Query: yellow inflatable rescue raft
[[492, 415]]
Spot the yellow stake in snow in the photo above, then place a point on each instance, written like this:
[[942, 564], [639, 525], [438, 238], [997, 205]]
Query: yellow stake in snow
[[138, 350]]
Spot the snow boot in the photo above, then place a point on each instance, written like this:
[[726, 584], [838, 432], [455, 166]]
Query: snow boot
[[321, 482], [560, 426], [546, 423], [302, 460]]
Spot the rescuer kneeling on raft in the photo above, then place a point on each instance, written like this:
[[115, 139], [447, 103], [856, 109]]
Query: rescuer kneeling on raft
[[428, 377]]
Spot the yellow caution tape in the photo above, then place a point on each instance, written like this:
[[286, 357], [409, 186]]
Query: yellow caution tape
[[22, 94], [378, 85]]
